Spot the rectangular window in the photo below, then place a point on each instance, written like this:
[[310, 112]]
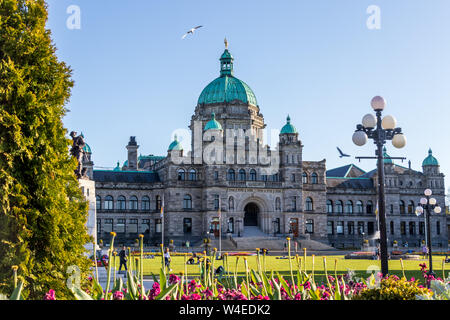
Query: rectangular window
[[133, 226], [216, 175], [340, 227], [360, 227], [108, 227], [309, 226], [330, 227], [412, 228], [421, 228], [144, 228], [120, 226], [351, 227], [438, 227], [370, 228], [99, 225], [187, 225], [392, 227], [403, 228]]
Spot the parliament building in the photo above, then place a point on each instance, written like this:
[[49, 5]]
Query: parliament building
[[231, 175]]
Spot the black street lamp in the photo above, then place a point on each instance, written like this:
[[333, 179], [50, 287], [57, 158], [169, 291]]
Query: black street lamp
[[427, 205], [380, 130]]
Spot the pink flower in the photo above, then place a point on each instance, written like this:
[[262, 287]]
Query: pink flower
[[118, 295], [173, 279], [50, 295], [195, 296]]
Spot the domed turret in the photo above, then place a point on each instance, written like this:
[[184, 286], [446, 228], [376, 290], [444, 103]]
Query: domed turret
[[227, 88], [430, 160], [175, 145], [213, 124], [288, 127]]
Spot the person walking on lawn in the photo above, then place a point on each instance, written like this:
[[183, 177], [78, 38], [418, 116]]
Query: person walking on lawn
[[123, 258], [167, 259]]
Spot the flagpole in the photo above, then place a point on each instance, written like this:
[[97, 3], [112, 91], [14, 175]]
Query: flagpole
[[162, 222], [220, 229]]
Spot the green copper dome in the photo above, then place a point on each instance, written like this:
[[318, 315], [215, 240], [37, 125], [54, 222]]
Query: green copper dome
[[118, 167], [227, 88], [288, 127], [213, 124], [387, 158], [430, 160], [175, 145]]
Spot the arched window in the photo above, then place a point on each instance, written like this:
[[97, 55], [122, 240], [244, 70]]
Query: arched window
[[121, 203], [231, 203], [314, 178], [294, 204], [192, 175], [329, 206], [359, 207], [109, 203], [253, 175], [369, 207], [181, 175], [339, 206], [242, 175], [98, 202], [145, 204], [305, 177], [309, 204], [278, 204], [349, 207], [133, 203], [187, 202], [411, 207], [402, 207], [231, 176]]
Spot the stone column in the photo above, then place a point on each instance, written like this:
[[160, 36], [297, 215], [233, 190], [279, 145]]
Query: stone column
[[88, 188]]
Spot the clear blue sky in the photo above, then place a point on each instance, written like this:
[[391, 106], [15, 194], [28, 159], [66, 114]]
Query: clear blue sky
[[315, 60]]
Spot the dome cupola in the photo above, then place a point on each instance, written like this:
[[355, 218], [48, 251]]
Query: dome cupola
[[175, 145], [430, 160], [227, 88], [288, 127], [213, 124]]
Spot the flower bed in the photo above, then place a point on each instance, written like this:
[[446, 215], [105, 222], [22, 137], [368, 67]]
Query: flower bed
[[224, 284], [361, 255]]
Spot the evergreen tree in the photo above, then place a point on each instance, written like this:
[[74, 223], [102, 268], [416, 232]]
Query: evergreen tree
[[42, 210]]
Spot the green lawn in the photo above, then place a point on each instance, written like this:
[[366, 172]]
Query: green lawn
[[361, 268]]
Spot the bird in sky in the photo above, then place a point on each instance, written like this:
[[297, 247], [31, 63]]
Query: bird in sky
[[190, 31], [342, 155]]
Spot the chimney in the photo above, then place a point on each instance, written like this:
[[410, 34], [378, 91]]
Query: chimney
[[132, 148]]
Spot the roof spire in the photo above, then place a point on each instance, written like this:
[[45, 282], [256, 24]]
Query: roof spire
[[226, 62]]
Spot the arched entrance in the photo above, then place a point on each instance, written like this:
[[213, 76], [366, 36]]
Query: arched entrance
[[251, 215]]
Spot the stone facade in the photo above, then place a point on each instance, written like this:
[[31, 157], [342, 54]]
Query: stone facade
[[230, 168]]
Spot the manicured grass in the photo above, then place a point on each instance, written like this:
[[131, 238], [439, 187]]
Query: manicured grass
[[361, 268]]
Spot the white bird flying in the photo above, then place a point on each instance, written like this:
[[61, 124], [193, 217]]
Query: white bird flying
[[190, 31]]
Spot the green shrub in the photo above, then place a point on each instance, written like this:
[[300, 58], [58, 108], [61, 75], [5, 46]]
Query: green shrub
[[393, 288]]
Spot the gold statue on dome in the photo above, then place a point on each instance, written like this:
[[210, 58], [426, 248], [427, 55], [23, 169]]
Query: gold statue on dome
[[226, 43]]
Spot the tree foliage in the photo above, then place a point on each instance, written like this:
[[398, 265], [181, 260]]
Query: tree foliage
[[42, 210]]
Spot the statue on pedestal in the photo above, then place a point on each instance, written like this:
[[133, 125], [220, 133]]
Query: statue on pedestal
[[78, 152]]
